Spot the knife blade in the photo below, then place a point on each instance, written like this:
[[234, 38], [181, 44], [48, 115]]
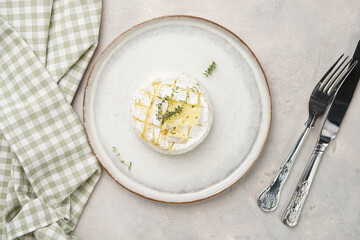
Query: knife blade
[[330, 128], [341, 102]]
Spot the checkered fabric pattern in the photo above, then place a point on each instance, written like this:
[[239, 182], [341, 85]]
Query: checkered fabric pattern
[[47, 168]]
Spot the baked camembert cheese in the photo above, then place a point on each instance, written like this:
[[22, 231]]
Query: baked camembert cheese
[[171, 112]]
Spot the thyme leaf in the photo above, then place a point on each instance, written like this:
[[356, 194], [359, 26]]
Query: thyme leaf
[[168, 114], [117, 154], [210, 69]]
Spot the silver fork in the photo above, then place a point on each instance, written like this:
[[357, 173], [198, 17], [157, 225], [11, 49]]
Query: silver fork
[[322, 95]]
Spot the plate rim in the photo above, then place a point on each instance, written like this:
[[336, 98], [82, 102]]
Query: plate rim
[[140, 24]]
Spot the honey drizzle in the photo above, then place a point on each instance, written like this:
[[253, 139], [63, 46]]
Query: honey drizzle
[[150, 123], [153, 135], [147, 122], [188, 134], [140, 105], [172, 145]]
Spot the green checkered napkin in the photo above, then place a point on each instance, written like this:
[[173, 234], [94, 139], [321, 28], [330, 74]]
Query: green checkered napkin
[[47, 168]]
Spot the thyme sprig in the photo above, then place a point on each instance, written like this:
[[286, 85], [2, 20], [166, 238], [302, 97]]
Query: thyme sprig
[[117, 154], [160, 115], [168, 114], [210, 69], [193, 89], [159, 107]]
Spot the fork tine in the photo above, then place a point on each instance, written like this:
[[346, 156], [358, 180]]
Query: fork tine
[[338, 73], [330, 69], [338, 78], [330, 80], [318, 85], [343, 78]]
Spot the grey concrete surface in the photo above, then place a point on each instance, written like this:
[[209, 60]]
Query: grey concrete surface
[[295, 41]]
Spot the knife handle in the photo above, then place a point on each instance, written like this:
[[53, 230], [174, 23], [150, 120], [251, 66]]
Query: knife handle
[[293, 211]]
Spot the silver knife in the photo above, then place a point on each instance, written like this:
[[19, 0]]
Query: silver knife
[[329, 130]]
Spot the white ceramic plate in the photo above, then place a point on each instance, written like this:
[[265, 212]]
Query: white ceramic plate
[[237, 88]]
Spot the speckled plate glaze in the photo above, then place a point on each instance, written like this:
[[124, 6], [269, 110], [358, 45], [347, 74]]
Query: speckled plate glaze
[[238, 90]]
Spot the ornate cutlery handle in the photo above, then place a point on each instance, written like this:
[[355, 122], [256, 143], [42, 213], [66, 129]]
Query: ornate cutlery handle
[[269, 198], [293, 211]]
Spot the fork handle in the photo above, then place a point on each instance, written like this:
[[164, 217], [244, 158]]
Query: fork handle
[[293, 211], [269, 198]]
